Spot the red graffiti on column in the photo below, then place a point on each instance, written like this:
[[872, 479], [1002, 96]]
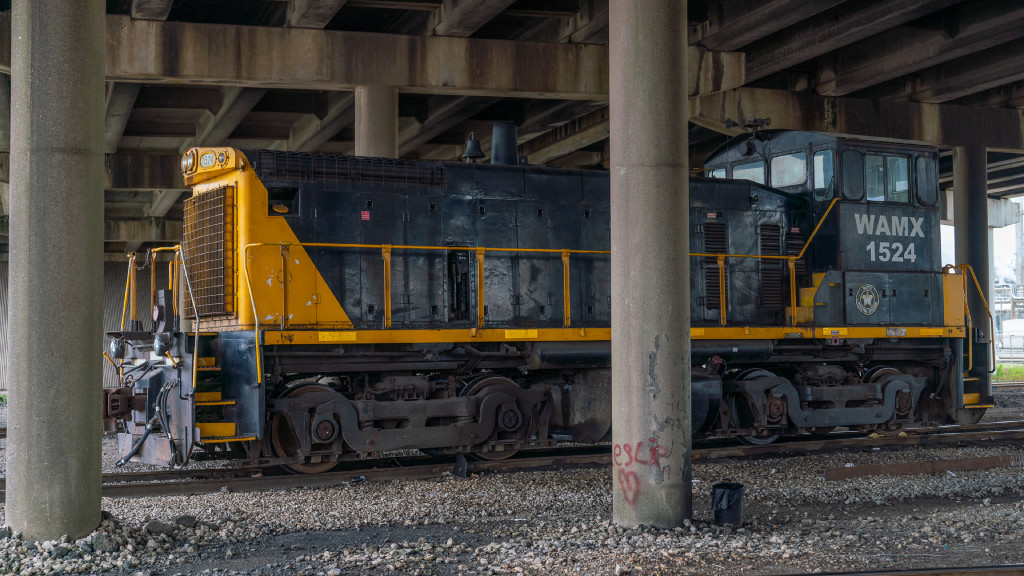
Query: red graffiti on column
[[626, 457]]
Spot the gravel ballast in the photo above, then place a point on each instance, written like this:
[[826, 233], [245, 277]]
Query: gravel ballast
[[560, 523]]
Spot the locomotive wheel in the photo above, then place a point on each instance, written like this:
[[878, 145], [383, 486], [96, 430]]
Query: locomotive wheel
[[283, 440], [753, 440], [489, 385], [876, 374]]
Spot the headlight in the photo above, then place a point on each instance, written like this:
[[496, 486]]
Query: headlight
[[184, 163]]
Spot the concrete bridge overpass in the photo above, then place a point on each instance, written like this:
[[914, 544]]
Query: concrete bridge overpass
[[283, 74], [411, 78]]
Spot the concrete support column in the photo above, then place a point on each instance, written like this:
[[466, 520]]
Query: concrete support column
[[56, 268], [970, 223], [377, 121], [650, 263]]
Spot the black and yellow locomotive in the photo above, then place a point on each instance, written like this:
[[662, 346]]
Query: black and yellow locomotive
[[345, 306]]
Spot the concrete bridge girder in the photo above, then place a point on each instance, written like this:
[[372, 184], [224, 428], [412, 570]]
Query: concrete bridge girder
[[942, 125], [152, 51]]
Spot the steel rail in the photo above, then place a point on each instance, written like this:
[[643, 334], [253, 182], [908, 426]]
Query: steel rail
[[244, 479], [1003, 570]]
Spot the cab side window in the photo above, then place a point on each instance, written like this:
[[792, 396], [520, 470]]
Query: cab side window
[[789, 169], [823, 175], [874, 178], [753, 171], [887, 178]]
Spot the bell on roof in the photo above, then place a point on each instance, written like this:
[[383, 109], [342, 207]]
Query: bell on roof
[[473, 150]]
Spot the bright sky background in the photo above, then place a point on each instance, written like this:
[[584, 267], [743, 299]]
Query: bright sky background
[[1004, 250]]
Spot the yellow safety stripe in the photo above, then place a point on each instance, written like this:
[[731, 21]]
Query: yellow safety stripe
[[285, 337]]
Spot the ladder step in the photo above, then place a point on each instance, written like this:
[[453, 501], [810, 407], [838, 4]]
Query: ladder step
[[205, 362], [208, 368], [216, 429], [227, 439], [218, 403], [206, 397]]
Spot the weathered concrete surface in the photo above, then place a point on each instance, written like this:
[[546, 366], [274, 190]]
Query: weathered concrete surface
[[377, 121], [463, 17], [56, 280], [151, 51], [979, 24], [650, 263], [940, 124]]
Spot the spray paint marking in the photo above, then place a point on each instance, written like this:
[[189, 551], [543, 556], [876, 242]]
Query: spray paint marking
[[626, 457]]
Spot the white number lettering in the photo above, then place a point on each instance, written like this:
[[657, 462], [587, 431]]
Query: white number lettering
[[883, 251], [898, 255], [910, 254], [871, 250]]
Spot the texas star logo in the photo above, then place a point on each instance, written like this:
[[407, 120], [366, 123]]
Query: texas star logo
[[867, 299]]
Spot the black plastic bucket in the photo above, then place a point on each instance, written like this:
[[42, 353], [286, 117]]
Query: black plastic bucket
[[727, 503]]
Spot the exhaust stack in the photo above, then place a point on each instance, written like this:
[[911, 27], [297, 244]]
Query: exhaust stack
[[504, 146]]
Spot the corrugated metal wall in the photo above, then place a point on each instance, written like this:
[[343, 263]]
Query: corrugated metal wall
[[114, 276]]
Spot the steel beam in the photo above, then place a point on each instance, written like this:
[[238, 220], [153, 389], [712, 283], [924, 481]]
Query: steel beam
[[732, 24], [142, 230], [120, 101], [151, 9], [568, 138], [310, 133], [53, 445], [143, 172], [847, 23], [974, 73], [650, 264], [215, 129], [941, 124], [463, 17], [312, 13], [978, 24], [443, 113]]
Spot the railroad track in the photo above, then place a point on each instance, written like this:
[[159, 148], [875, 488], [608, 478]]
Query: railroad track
[[1005, 570], [244, 479]]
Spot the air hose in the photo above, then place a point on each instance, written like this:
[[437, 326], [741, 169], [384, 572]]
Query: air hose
[[135, 449]]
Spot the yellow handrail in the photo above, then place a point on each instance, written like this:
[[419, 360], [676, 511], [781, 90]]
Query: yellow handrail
[[991, 322], [386, 250]]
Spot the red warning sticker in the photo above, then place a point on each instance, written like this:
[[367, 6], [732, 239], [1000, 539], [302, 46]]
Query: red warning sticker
[[364, 215]]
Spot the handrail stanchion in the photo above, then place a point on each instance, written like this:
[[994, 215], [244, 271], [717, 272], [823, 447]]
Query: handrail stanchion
[[133, 308], [565, 289], [722, 297], [480, 287], [127, 288], [991, 323], [284, 286], [151, 260], [385, 252], [792, 289]]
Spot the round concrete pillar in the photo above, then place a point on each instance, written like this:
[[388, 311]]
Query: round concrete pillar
[[650, 263], [970, 219], [377, 121], [56, 268]]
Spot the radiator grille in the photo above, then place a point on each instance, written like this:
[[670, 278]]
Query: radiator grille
[[770, 239], [209, 251], [294, 166], [715, 242]]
